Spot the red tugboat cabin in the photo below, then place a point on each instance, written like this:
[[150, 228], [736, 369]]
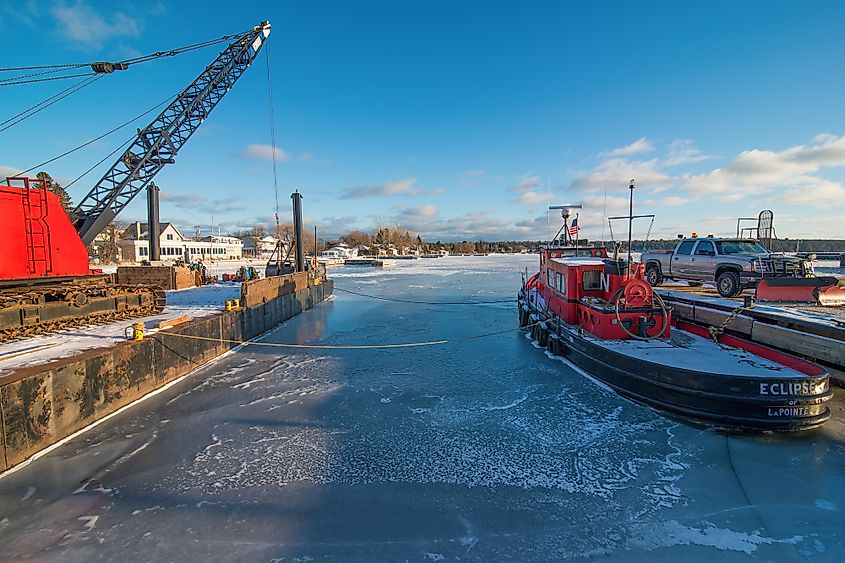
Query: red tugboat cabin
[[585, 287]]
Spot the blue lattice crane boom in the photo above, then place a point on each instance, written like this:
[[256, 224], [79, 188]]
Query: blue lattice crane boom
[[157, 144]]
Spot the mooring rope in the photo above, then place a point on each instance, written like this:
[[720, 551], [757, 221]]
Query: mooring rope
[[343, 346], [395, 300]]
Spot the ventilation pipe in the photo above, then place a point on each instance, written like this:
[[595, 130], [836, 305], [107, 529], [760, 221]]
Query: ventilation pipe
[[297, 230], [153, 227]]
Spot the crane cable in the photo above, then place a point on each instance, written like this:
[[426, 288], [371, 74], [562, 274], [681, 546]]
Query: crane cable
[[272, 136], [44, 104], [16, 80], [123, 145], [38, 67], [343, 346], [88, 78], [171, 201], [396, 300], [119, 65], [97, 138], [185, 49]]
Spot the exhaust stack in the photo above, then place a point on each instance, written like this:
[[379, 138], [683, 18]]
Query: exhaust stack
[[297, 230], [153, 226]]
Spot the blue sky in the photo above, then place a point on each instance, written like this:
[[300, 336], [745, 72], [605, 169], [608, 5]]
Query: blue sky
[[464, 120]]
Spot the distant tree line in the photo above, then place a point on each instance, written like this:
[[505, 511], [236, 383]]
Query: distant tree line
[[403, 237], [400, 237], [778, 245], [391, 233]]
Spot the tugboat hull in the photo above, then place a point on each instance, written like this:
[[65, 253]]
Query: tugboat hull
[[768, 402]]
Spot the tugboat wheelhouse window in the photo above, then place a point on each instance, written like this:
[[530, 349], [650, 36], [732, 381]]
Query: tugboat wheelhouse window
[[550, 277], [561, 282], [592, 280]]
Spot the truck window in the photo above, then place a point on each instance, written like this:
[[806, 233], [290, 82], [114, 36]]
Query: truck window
[[704, 248], [739, 247], [685, 247]]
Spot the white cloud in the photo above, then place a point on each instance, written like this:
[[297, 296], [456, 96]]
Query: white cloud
[[794, 169], [6, 171], [80, 24], [26, 12], [790, 175], [821, 194], [309, 156], [683, 151], [615, 172], [674, 200], [527, 182], [824, 137], [392, 188], [264, 152], [417, 216], [182, 198], [534, 197], [641, 145]]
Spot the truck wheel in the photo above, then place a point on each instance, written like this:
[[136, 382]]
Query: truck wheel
[[728, 284], [695, 284], [653, 276]]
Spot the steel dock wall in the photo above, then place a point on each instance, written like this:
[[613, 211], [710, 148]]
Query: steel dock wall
[[42, 404]]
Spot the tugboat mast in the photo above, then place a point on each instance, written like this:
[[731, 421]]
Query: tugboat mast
[[630, 221]]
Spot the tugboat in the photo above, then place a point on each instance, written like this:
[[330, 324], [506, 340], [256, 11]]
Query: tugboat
[[598, 312]]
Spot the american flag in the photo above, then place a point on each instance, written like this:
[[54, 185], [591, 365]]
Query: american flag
[[574, 228]]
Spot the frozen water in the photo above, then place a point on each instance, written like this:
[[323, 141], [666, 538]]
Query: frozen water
[[482, 449]]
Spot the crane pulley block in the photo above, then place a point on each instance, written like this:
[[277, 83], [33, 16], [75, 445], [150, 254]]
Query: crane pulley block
[[108, 68]]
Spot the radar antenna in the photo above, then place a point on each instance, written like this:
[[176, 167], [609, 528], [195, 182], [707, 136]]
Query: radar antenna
[[563, 236]]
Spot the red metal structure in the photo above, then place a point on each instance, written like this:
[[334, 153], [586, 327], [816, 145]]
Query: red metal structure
[[45, 281], [607, 298], [37, 239]]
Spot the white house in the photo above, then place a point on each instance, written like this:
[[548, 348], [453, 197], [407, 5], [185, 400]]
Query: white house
[[259, 247], [134, 245], [338, 253], [384, 250]]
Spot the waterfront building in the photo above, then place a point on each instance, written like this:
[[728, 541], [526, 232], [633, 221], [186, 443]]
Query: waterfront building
[[134, 245], [259, 247]]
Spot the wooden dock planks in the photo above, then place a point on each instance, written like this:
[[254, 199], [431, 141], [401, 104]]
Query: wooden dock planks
[[814, 340], [812, 346]]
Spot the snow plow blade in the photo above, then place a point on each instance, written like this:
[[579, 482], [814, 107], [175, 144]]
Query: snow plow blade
[[822, 290]]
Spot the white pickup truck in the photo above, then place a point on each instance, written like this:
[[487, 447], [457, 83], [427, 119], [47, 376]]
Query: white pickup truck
[[733, 264]]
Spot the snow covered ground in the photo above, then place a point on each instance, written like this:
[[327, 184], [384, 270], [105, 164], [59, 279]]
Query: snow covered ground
[[194, 302], [479, 450], [215, 267]]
